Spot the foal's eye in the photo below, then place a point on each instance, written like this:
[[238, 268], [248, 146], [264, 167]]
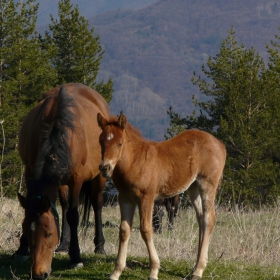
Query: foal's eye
[[119, 144], [48, 234]]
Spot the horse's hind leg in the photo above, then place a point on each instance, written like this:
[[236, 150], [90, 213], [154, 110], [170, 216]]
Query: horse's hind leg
[[97, 204], [127, 212], [65, 233], [145, 210], [202, 196]]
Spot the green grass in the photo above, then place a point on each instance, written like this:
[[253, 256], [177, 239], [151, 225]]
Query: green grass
[[98, 267], [245, 245]]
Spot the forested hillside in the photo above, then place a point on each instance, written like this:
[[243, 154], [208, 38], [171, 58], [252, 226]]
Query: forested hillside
[[88, 8], [152, 52]]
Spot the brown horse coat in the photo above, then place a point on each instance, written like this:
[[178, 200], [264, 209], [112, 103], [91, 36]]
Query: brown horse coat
[[142, 171], [59, 146]]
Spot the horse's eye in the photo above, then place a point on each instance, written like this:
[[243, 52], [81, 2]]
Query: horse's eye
[[119, 144], [48, 235]]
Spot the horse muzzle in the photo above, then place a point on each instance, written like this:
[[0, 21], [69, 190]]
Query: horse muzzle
[[105, 170], [42, 276]]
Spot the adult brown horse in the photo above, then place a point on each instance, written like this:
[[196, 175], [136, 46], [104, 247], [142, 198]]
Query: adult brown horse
[[142, 171], [59, 147], [172, 206]]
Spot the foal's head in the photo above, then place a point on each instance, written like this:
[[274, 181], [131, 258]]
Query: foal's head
[[111, 140], [40, 227]]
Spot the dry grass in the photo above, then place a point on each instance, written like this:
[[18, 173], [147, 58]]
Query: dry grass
[[250, 237]]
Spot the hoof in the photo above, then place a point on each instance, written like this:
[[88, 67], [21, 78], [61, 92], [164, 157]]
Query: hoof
[[76, 265], [20, 258], [152, 279], [62, 250], [100, 251]]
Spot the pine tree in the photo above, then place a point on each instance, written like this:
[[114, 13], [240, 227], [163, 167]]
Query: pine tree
[[76, 52], [25, 76], [240, 92]]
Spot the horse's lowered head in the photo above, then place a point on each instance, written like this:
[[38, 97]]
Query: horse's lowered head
[[112, 140], [41, 228]]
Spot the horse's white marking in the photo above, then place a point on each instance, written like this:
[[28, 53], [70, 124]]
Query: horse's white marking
[[110, 136], [33, 226]]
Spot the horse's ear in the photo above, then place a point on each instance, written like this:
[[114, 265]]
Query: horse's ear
[[45, 204], [102, 122], [122, 121], [22, 200]]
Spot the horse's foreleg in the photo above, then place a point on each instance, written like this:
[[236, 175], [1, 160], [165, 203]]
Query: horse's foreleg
[[73, 221], [22, 252], [146, 229], [97, 204], [127, 212], [65, 233], [203, 202]]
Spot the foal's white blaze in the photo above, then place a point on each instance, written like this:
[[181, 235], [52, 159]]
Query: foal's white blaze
[[110, 136]]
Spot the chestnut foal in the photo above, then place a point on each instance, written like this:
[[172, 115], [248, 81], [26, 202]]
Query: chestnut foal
[[144, 170]]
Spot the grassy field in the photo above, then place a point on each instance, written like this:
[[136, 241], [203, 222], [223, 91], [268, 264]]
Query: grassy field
[[245, 245]]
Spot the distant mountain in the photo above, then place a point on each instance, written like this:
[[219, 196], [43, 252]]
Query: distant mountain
[[88, 8], [151, 52]]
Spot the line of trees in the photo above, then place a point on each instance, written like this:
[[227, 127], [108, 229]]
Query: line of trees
[[241, 107], [31, 64]]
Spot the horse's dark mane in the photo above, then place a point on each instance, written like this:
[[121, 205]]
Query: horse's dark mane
[[54, 158]]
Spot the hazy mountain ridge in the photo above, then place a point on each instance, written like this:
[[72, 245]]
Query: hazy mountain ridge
[[158, 47], [88, 8]]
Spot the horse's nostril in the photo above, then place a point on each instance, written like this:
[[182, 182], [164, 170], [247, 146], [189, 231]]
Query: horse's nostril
[[46, 275], [105, 168]]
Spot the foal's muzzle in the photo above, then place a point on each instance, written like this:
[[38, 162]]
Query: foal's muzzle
[[105, 170]]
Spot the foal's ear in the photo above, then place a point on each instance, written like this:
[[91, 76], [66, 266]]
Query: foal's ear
[[22, 200], [45, 204], [102, 122], [122, 121]]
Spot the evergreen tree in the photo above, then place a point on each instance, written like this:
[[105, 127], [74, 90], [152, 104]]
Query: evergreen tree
[[240, 92], [25, 76], [76, 52]]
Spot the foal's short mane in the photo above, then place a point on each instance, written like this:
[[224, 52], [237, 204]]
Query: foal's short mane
[[131, 130], [54, 157]]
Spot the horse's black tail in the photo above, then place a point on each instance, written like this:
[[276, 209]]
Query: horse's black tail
[[85, 201]]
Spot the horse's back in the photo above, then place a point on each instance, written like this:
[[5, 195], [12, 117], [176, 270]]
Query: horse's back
[[83, 103], [190, 155], [87, 97], [199, 143]]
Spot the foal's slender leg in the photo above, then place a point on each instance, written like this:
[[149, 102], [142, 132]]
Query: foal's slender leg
[[202, 197], [127, 212], [146, 229]]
